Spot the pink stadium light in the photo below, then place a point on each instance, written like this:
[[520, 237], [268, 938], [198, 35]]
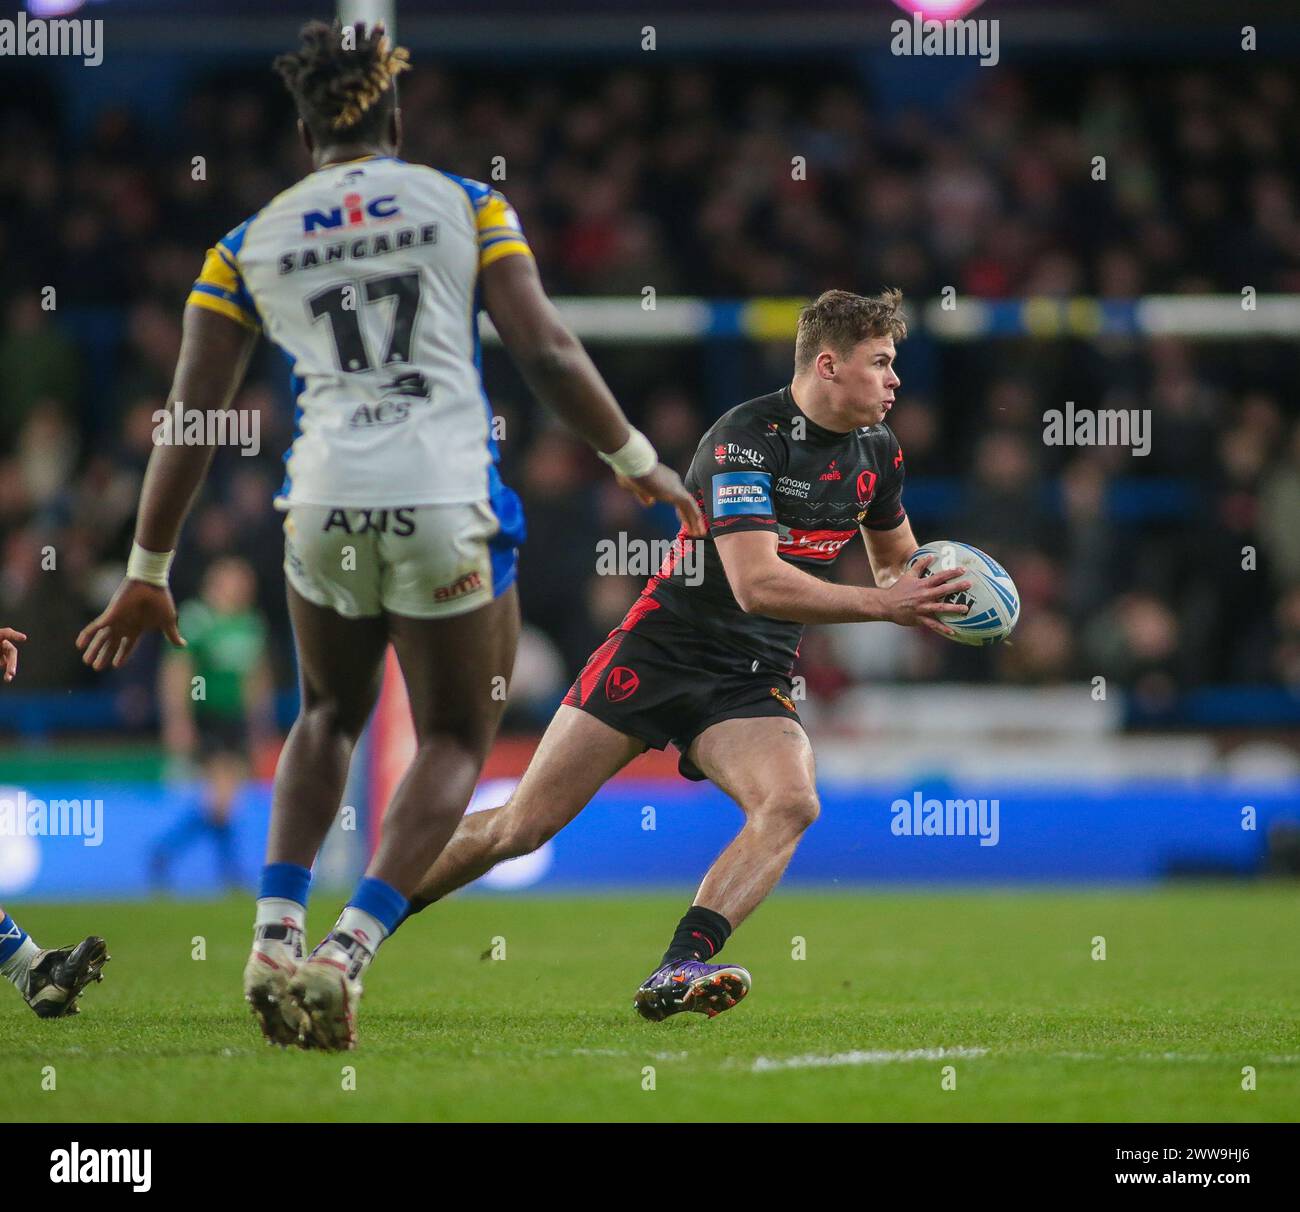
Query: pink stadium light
[[54, 8], [938, 10]]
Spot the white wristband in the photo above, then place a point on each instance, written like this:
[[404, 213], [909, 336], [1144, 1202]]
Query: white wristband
[[151, 567], [635, 458]]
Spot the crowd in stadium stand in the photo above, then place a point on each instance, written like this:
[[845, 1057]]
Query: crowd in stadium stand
[[1134, 568]]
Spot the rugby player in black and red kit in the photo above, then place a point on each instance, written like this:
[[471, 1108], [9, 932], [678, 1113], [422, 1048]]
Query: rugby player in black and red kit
[[785, 481]]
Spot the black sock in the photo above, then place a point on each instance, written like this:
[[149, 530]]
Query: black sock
[[700, 935]]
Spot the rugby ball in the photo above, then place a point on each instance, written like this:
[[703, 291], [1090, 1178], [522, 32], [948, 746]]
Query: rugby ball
[[993, 599]]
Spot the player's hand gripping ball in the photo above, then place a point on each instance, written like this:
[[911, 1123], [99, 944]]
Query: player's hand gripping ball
[[992, 599]]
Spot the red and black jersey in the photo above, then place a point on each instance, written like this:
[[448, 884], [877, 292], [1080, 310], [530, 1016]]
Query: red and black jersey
[[766, 466]]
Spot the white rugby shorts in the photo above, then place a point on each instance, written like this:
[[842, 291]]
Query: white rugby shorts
[[421, 561]]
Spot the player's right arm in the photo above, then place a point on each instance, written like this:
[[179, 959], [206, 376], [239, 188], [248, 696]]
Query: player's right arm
[[765, 584], [559, 372]]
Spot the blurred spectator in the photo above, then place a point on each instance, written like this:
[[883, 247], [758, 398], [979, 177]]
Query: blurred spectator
[[1041, 652], [1137, 642], [1279, 510], [38, 362]]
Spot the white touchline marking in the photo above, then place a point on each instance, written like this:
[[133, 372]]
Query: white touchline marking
[[1187, 1058], [767, 1064]]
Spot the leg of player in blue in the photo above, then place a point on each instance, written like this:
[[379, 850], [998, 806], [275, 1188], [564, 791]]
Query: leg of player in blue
[[328, 988], [277, 951], [340, 662], [49, 980], [449, 665]]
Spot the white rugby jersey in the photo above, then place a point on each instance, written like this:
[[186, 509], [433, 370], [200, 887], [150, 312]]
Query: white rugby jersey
[[365, 273]]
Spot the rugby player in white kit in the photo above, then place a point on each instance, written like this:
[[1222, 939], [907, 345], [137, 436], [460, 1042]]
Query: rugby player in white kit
[[369, 273]]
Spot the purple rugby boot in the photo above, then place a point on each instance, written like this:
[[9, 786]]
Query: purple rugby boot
[[691, 985]]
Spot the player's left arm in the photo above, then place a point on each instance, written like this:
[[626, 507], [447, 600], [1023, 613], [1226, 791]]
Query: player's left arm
[[888, 551], [215, 349]]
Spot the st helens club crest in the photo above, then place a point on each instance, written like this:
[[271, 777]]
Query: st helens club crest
[[621, 684]]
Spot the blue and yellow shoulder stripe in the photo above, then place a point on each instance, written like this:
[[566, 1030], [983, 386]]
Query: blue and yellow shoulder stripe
[[500, 234], [220, 285]]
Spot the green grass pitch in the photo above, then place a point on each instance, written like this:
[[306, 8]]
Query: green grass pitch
[[1197, 983]]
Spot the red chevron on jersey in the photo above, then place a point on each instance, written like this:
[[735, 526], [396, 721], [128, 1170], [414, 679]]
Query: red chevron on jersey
[[812, 544]]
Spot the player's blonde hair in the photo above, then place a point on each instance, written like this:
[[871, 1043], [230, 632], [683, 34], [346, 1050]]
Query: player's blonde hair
[[838, 320], [342, 78]]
